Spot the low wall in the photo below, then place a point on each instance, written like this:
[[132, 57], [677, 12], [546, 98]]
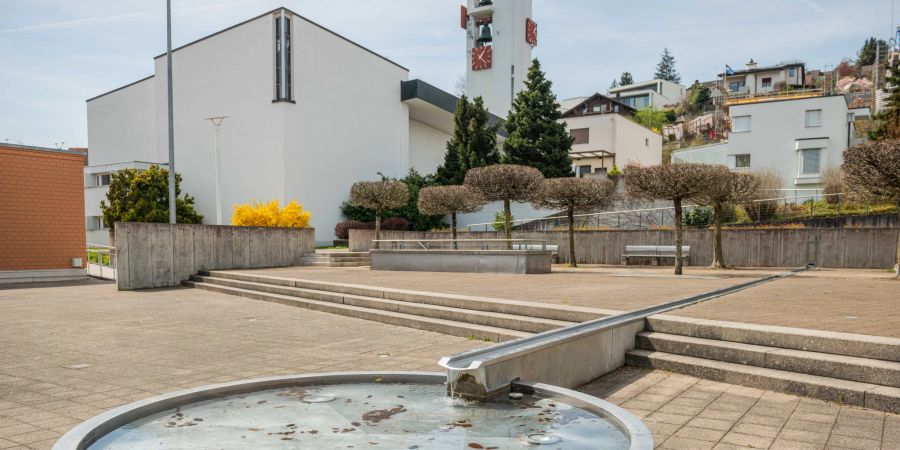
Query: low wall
[[855, 248], [463, 261], [151, 255]]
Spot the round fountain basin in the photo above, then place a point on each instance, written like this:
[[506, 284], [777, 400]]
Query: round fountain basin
[[359, 410]]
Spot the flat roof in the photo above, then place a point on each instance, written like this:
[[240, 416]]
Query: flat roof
[[633, 86], [40, 149], [243, 23], [418, 89]]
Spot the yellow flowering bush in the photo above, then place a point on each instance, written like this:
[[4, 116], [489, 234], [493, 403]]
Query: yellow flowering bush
[[257, 214]]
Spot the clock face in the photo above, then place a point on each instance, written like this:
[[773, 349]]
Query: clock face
[[531, 32], [482, 57]]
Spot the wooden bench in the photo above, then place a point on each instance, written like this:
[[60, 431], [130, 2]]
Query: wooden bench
[[656, 252]]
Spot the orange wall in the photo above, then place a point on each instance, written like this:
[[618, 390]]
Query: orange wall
[[41, 209]]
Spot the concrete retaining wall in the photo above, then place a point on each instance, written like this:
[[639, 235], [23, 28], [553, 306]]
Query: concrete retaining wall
[[856, 248], [151, 255], [463, 261]]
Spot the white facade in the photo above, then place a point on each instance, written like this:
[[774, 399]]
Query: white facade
[[624, 140], [342, 122], [511, 54], [799, 138], [755, 80], [653, 93]]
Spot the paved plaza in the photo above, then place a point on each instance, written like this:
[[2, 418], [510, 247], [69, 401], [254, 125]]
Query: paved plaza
[[71, 351]]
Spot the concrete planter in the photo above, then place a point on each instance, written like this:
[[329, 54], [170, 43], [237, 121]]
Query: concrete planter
[[465, 261]]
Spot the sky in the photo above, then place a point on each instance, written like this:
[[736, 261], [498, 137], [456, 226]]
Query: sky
[[56, 54]]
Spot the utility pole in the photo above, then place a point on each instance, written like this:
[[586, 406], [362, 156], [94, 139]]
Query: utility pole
[[172, 198], [217, 121]]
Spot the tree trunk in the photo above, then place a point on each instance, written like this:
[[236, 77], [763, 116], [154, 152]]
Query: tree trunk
[[453, 229], [678, 236], [718, 255], [507, 224], [377, 227], [572, 262]]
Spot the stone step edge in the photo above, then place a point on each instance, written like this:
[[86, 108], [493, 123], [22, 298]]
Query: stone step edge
[[487, 304], [474, 317], [881, 398], [864, 370], [819, 341], [460, 329]]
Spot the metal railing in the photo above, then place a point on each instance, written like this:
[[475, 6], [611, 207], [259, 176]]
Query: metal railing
[[101, 261], [747, 97], [767, 210], [460, 244]]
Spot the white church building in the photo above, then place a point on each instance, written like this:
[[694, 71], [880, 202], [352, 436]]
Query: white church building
[[307, 112]]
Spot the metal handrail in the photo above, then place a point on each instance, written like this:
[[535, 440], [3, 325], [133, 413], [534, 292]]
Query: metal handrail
[[794, 199]]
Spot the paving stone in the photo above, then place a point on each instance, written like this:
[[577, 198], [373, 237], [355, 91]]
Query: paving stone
[[747, 440], [784, 444], [680, 443], [703, 434], [811, 437], [713, 424], [853, 442]]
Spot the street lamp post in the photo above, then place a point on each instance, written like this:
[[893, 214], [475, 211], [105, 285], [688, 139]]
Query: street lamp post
[[172, 199], [217, 122]]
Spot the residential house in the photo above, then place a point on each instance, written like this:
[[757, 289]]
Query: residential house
[[800, 137], [755, 80], [652, 93], [605, 134]]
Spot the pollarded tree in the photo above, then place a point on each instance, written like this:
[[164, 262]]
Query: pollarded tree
[[675, 182], [873, 168], [379, 195], [574, 195], [508, 183], [725, 188], [450, 200], [537, 137]]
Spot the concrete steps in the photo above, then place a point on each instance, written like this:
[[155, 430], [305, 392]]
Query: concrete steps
[[853, 369], [487, 319], [334, 259]]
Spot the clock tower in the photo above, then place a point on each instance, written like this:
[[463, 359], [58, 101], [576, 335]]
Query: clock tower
[[499, 37]]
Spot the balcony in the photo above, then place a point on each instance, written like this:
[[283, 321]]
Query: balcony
[[740, 98], [483, 9]]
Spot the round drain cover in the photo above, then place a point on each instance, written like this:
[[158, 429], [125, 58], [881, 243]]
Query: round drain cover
[[318, 398], [541, 438]]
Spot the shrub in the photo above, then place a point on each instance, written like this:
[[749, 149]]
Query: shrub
[[342, 229], [770, 180], [698, 217], [833, 184], [256, 214], [419, 221], [615, 170], [143, 196], [395, 224], [500, 219]]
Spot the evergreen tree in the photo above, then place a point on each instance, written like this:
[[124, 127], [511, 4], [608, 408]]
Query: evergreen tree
[[700, 96], [536, 137], [665, 70], [614, 84], [888, 121], [473, 144], [866, 54], [626, 79]]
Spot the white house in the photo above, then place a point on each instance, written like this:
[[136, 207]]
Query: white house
[[308, 112], [755, 80], [653, 93], [799, 137], [605, 134]]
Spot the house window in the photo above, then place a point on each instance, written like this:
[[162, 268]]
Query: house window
[[767, 82], [584, 170], [580, 135], [283, 58], [792, 72], [810, 161], [813, 118], [742, 161], [735, 86], [95, 223], [103, 179], [740, 124]]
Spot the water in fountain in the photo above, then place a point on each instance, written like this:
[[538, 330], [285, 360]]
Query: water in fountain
[[368, 415]]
